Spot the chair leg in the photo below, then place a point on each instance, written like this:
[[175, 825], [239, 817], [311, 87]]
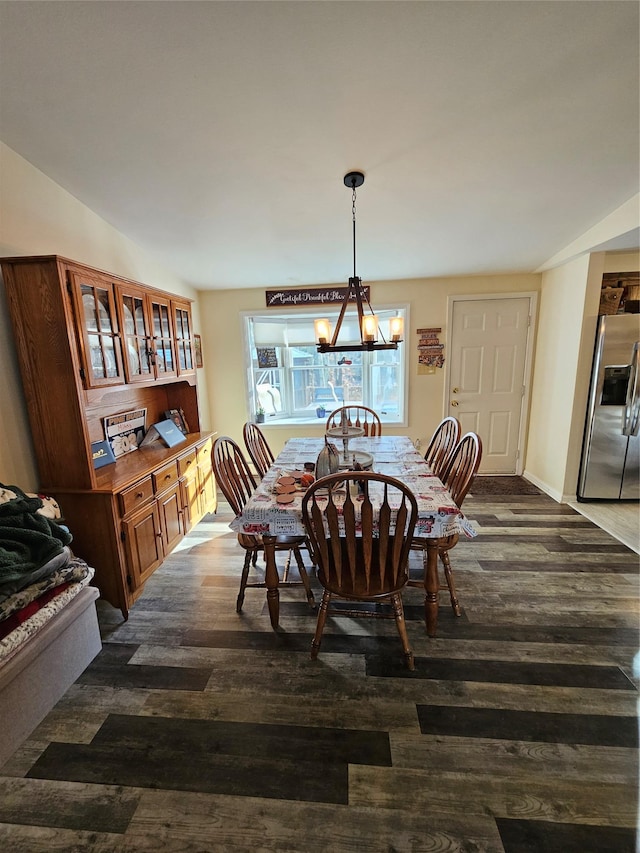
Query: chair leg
[[444, 556], [314, 564], [322, 618], [304, 577], [398, 611], [243, 579], [285, 573]]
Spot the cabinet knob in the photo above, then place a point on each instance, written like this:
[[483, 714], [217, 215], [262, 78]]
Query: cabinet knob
[[140, 495]]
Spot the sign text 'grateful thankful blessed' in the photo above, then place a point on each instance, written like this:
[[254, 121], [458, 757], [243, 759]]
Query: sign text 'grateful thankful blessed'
[[310, 296]]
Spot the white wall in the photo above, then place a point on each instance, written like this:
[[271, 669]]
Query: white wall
[[38, 217]]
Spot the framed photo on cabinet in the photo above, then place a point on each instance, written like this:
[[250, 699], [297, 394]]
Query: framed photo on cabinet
[[177, 416]]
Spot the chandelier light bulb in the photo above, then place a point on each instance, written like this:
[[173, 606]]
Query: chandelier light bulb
[[396, 328], [322, 328], [369, 328]]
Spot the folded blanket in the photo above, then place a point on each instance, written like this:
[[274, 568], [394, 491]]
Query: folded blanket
[[18, 582], [29, 541], [73, 571]]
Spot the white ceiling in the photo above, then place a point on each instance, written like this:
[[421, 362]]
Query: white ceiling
[[216, 134]]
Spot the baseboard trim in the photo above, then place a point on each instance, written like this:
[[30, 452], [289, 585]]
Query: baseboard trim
[[559, 497]]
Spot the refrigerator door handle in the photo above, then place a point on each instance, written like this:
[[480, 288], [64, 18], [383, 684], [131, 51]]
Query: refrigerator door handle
[[631, 421]]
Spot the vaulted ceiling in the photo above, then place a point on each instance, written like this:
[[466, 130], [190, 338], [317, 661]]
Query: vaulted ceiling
[[216, 134]]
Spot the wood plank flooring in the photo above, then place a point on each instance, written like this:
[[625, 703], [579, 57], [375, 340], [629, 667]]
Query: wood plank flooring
[[198, 730]]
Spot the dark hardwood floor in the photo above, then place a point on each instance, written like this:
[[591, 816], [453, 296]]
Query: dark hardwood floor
[[197, 729]]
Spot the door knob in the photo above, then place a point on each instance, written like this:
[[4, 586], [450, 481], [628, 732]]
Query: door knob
[[455, 403], [455, 390]]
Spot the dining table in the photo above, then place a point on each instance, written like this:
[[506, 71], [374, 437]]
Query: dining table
[[266, 516]]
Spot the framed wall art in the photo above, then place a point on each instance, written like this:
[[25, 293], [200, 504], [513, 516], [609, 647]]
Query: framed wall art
[[197, 346]]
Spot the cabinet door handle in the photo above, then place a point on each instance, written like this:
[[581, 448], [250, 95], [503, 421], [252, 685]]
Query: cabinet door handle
[[167, 476], [140, 495]]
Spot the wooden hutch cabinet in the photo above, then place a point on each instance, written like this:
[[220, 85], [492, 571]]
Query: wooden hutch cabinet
[[91, 345]]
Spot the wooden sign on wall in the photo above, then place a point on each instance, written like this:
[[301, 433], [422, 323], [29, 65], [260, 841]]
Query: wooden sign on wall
[[430, 350], [310, 296]]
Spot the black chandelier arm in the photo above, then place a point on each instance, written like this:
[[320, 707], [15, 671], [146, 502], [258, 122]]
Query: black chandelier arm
[[368, 347], [343, 309]]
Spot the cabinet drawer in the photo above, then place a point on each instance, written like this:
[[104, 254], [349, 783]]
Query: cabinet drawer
[[136, 496], [187, 464], [165, 476], [204, 453]]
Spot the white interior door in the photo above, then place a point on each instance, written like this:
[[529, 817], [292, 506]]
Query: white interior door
[[489, 357]]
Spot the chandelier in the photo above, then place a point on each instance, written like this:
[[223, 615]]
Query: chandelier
[[367, 322]]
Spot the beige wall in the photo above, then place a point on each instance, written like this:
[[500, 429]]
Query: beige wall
[[427, 298], [569, 304], [622, 262], [38, 217], [557, 380]]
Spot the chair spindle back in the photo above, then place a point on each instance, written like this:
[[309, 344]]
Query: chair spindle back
[[257, 448], [232, 473], [360, 416], [442, 444], [360, 559]]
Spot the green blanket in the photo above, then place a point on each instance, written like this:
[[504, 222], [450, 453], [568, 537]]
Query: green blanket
[[29, 541]]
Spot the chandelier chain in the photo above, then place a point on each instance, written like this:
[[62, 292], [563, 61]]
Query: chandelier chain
[[353, 217]]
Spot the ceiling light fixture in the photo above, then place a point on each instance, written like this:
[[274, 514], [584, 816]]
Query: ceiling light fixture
[[367, 323]]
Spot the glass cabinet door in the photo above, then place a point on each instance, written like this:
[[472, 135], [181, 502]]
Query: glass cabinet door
[[183, 338], [137, 345], [162, 335], [98, 330]]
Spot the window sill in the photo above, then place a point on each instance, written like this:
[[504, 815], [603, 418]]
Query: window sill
[[321, 422]]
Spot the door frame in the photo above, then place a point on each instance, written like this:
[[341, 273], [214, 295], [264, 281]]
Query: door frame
[[532, 296]]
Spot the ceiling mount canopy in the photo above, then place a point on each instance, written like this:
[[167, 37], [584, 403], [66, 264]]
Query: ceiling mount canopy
[[367, 323]]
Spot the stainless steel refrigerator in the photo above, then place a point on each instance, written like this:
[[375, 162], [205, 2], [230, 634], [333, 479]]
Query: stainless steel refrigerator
[[610, 465]]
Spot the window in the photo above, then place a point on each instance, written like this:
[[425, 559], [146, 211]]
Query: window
[[293, 383]]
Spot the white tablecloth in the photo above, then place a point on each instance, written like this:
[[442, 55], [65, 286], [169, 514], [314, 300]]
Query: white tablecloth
[[395, 456]]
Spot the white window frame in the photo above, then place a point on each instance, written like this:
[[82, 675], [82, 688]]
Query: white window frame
[[321, 311]]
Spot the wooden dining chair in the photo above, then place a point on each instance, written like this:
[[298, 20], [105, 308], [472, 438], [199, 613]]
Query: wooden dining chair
[[237, 484], [458, 479], [360, 558], [443, 443], [360, 416], [257, 448], [262, 458]]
